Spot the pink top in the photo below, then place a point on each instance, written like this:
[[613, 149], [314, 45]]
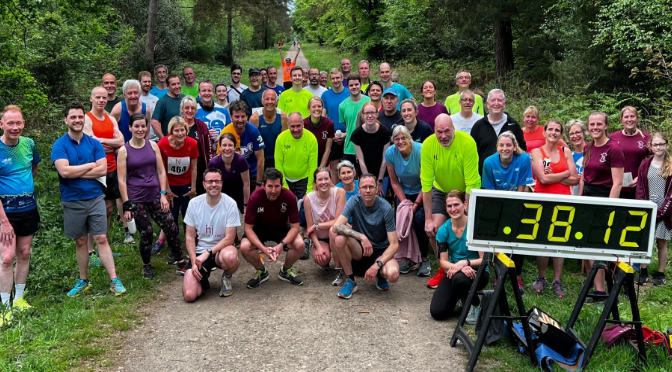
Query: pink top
[[323, 210]]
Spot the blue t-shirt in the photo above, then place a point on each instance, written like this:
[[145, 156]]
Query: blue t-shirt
[[457, 247], [349, 194], [270, 132], [578, 160], [278, 89], [158, 92], [407, 170], [251, 141], [16, 175], [496, 177], [216, 119], [88, 150], [402, 93], [331, 101]]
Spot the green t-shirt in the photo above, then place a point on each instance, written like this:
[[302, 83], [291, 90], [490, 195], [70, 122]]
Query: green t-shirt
[[348, 112], [293, 101], [449, 168], [295, 158], [193, 91], [453, 104]]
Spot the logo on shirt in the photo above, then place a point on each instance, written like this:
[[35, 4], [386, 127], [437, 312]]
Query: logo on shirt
[[283, 207], [324, 135], [640, 144], [209, 230], [260, 210], [603, 157]]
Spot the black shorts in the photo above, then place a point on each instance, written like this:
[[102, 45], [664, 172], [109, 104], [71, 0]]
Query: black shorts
[[336, 151], [360, 266], [111, 188], [25, 223], [266, 234], [596, 190]]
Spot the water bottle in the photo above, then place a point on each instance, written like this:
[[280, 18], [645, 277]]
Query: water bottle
[[131, 226]]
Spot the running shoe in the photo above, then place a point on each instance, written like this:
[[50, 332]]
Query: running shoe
[[227, 286], [94, 260], [406, 266], [182, 266], [425, 268], [290, 276], [116, 287], [147, 271], [340, 278], [82, 285], [539, 285], [436, 279], [557, 289], [259, 277], [128, 238], [382, 284], [157, 247], [596, 297], [643, 277], [658, 278], [5, 318], [349, 287], [472, 317], [21, 304]]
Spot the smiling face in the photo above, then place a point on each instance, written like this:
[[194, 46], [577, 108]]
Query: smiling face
[[408, 113], [355, 87], [364, 70], [272, 74], [235, 76], [390, 103], [402, 143], [370, 114], [315, 108], [221, 93], [428, 90], [12, 125], [264, 77], [345, 66], [314, 76], [444, 130], [161, 74], [375, 92], [553, 132], [239, 119], [323, 181], [255, 81], [467, 102], [226, 147], [336, 80], [323, 79], [576, 135], [110, 85], [658, 145], [531, 120], [346, 175], [269, 99], [273, 188], [188, 111], [98, 99], [212, 182], [629, 120], [178, 133], [174, 86], [368, 189], [455, 207], [132, 96], [385, 72], [138, 129], [505, 148], [297, 77], [189, 75], [146, 83], [296, 126], [205, 92], [597, 126], [463, 80], [496, 103], [75, 120]]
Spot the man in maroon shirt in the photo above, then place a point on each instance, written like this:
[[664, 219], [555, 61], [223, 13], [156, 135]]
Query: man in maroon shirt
[[272, 215]]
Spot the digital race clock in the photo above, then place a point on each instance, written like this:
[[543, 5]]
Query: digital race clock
[[561, 225]]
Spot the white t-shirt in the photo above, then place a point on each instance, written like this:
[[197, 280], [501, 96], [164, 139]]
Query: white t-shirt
[[463, 124], [317, 92], [211, 222], [150, 100]]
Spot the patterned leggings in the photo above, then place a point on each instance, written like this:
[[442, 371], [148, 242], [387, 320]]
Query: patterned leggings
[[165, 222]]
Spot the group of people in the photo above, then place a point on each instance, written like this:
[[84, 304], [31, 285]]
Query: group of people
[[286, 158]]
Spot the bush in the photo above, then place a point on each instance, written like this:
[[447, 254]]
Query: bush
[[18, 87]]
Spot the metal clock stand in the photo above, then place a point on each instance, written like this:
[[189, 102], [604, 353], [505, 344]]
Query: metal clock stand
[[624, 277], [506, 273]]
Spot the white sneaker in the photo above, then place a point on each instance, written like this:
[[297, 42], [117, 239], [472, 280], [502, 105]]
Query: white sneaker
[[472, 317], [227, 286], [340, 278]]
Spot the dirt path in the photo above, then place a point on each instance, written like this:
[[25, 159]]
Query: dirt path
[[281, 327], [301, 60]]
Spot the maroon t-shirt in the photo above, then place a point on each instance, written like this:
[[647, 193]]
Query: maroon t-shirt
[[597, 167], [634, 151], [429, 114], [323, 132], [265, 213]]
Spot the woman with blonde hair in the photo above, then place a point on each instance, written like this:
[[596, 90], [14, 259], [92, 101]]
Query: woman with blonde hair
[[654, 182]]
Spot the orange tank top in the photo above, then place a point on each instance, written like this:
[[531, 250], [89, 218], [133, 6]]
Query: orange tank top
[[287, 70], [104, 129], [557, 167]]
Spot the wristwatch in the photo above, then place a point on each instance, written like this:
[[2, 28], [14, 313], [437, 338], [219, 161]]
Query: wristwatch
[[284, 246], [380, 264], [209, 250]]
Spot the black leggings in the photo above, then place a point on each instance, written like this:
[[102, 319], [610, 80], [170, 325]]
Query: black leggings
[[450, 290], [166, 223]]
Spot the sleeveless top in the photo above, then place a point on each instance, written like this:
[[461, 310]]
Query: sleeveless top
[[269, 132], [141, 179], [557, 167], [125, 118], [323, 211], [104, 129]]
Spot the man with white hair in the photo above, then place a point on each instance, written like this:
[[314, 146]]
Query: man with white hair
[[130, 105]]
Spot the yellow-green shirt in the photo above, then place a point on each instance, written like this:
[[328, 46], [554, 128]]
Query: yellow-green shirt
[[295, 158], [449, 168], [453, 104], [292, 101]]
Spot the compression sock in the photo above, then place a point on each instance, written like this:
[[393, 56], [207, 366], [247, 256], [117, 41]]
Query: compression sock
[[18, 291], [5, 299], [284, 269], [352, 276]]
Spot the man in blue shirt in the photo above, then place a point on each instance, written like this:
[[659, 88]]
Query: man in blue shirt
[[385, 72], [331, 99], [81, 164], [250, 143]]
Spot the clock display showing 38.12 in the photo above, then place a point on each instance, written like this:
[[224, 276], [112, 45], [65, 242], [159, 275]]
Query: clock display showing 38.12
[[562, 223]]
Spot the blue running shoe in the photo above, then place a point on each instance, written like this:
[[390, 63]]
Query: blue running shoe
[[116, 287], [382, 284], [349, 287], [82, 285]]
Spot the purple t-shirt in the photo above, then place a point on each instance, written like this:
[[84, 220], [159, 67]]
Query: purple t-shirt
[[264, 213], [232, 182], [429, 114], [597, 167], [634, 151]]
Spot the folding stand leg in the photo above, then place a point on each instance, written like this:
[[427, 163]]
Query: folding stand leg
[[587, 284], [459, 331]]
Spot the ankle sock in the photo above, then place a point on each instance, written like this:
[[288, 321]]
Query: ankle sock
[[5, 298]]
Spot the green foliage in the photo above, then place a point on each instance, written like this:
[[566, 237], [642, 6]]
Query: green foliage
[[18, 87]]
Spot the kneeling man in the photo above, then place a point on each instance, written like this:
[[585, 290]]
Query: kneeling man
[[212, 218], [368, 247]]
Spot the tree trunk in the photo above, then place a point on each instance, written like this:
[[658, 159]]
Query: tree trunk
[[503, 46], [151, 30], [228, 53], [265, 41]]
